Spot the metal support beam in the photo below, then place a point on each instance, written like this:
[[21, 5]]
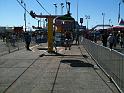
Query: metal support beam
[[50, 28], [50, 34]]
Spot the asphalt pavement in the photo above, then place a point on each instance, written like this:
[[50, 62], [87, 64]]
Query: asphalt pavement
[[67, 71]]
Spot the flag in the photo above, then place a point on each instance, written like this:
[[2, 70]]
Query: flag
[[121, 22]]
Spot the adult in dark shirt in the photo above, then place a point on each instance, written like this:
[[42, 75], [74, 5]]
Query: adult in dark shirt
[[27, 40], [104, 39], [68, 39]]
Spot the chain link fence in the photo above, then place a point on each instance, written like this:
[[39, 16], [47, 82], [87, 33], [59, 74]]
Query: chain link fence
[[110, 60]]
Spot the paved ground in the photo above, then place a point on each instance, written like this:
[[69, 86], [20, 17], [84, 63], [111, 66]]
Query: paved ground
[[69, 71]]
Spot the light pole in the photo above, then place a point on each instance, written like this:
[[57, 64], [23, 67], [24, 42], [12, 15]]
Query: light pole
[[109, 21], [77, 11], [103, 14], [55, 8], [24, 13], [62, 6], [68, 7], [87, 18], [119, 12]]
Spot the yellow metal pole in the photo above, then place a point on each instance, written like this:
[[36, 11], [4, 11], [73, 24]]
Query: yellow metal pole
[[50, 34]]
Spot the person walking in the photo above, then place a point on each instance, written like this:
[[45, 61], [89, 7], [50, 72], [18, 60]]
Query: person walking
[[68, 40], [122, 40], [27, 40], [13, 39], [77, 38], [111, 40], [104, 39]]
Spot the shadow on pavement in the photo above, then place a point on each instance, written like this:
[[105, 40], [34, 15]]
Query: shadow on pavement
[[42, 48], [77, 63]]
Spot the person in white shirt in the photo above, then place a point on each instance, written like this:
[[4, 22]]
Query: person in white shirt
[[111, 40]]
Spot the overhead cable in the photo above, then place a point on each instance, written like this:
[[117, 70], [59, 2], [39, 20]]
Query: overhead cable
[[24, 8], [42, 7]]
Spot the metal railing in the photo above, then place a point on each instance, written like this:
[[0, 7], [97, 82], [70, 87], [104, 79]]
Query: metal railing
[[111, 61], [7, 46]]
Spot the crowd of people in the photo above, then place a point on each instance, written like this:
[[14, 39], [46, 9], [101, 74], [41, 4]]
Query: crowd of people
[[27, 37], [113, 39], [110, 39], [11, 38]]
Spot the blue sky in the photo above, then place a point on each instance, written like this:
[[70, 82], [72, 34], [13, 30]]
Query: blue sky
[[12, 14]]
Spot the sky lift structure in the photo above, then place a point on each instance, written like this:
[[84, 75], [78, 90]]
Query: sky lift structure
[[50, 23]]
